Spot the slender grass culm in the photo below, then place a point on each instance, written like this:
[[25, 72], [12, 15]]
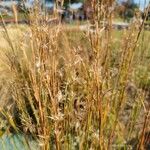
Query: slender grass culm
[[70, 89]]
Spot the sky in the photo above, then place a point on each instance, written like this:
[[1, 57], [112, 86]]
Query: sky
[[142, 3]]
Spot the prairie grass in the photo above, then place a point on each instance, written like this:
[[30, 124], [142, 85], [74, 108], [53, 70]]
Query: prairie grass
[[73, 89]]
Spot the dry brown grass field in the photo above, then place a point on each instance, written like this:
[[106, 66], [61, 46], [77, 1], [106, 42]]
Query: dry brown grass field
[[69, 89]]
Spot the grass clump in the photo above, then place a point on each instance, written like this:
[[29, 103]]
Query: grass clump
[[68, 87]]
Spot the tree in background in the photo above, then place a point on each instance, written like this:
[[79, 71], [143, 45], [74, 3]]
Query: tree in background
[[127, 9], [66, 2]]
